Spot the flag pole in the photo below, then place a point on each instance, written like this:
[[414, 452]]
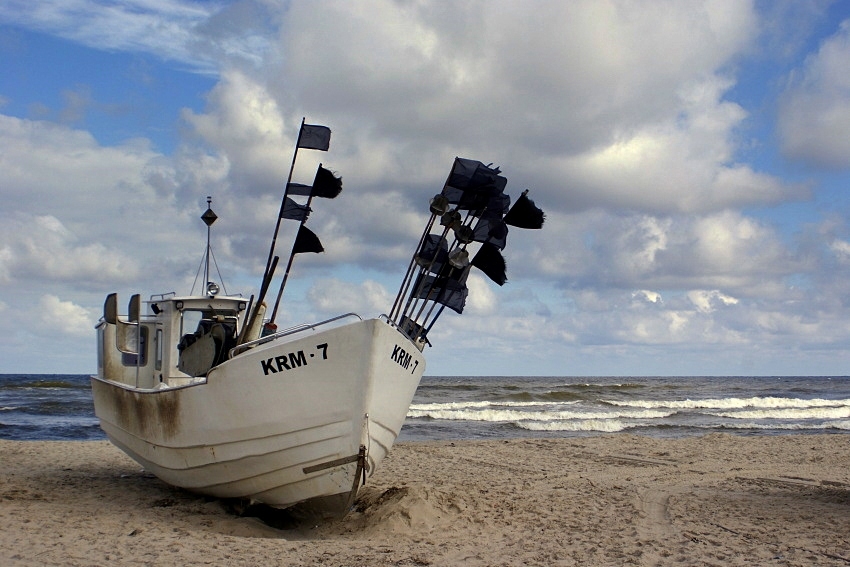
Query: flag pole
[[280, 291], [412, 301], [252, 316], [289, 262], [457, 244], [283, 200], [408, 276]]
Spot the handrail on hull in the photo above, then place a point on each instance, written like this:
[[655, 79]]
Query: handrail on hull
[[286, 332]]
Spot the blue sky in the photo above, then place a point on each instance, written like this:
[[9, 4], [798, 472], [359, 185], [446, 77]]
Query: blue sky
[[692, 158]]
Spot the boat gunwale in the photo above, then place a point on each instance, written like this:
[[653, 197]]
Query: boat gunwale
[[244, 347]]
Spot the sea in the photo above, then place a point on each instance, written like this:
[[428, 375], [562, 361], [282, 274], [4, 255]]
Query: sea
[[59, 407]]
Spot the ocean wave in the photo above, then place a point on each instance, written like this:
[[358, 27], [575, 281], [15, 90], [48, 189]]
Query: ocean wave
[[731, 403], [843, 425], [601, 425], [482, 404], [842, 412], [502, 415], [42, 385]]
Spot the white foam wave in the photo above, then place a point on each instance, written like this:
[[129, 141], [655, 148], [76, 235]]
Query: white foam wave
[[483, 404], [507, 415], [841, 424], [731, 403], [788, 413], [603, 425]]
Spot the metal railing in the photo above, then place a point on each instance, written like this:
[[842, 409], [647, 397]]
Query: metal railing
[[286, 332]]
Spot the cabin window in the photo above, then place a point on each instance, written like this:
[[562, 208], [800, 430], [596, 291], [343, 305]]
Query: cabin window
[[159, 349], [100, 350], [199, 321], [140, 359]]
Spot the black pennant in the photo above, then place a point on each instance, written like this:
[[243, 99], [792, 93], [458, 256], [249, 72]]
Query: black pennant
[[293, 211], [490, 261], [307, 241], [525, 214], [326, 185]]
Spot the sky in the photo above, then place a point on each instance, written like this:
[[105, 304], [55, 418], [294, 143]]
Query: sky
[[692, 158]]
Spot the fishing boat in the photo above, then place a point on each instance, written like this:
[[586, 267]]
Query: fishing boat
[[205, 392]]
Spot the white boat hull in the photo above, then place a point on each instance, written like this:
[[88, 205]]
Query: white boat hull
[[281, 423]]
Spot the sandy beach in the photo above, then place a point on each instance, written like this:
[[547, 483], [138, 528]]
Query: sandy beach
[[608, 500]]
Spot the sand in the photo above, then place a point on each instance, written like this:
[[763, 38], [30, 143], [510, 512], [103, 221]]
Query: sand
[[608, 500]]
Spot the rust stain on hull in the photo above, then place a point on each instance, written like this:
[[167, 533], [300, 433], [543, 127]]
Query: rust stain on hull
[[150, 415]]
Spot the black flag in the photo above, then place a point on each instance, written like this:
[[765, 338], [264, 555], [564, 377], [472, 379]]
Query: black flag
[[525, 214], [490, 261], [433, 253], [306, 241], [492, 230], [472, 185], [314, 137], [293, 211], [325, 185], [299, 189]]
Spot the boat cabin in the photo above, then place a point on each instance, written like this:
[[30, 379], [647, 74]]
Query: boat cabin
[[175, 343]]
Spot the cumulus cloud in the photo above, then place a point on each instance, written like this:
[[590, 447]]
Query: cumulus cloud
[[245, 126], [482, 298], [41, 247], [706, 301], [66, 317], [332, 296], [814, 114]]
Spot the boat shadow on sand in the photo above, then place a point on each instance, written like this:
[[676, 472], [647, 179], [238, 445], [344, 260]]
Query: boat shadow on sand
[[387, 510], [376, 510]]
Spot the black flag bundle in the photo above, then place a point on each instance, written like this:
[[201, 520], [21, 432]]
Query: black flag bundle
[[493, 231], [472, 185], [475, 210], [444, 290], [433, 253]]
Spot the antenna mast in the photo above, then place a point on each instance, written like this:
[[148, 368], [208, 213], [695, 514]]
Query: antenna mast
[[209, 217]]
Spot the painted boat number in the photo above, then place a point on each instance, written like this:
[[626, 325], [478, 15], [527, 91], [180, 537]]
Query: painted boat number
[[292, 360], [403, 358]]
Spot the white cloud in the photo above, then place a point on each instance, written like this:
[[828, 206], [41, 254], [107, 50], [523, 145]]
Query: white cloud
[[647, 295], [332, 296], [42, 248], [171, 29], [727, 250], [66, 317], [814, 115], [841, 248], [705, 301], [245, 126], [482, 299]]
